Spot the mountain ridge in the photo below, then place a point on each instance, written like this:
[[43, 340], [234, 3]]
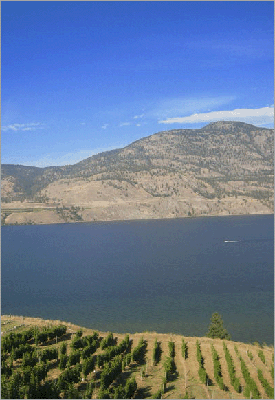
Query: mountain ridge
[[191, 171]]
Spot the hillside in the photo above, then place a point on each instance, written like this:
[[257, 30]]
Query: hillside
[[221, 169], [127, 361]]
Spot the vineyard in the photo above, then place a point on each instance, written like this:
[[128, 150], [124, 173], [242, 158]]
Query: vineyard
[[53, 359]]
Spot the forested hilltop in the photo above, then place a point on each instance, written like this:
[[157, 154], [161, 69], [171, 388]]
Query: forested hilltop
[[53, 359], [221, 169]]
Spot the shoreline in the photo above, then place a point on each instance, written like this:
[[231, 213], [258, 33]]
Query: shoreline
[[71, 326], [141, 219]]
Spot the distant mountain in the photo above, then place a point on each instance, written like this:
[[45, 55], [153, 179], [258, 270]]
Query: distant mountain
[[222, 168]]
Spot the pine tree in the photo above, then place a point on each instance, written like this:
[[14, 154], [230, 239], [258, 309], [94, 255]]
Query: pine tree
[[216, 328]]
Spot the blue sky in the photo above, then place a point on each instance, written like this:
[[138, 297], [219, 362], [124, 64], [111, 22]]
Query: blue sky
[[79, 78]]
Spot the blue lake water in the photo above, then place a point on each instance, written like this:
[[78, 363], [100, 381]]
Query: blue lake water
[[155, 275]]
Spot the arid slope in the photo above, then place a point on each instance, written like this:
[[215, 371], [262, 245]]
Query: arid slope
[[224, 168]]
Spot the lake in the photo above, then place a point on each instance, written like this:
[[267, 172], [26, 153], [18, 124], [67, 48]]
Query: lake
[[167, 276]]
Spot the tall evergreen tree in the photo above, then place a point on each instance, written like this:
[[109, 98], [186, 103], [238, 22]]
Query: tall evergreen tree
[[216, 328]]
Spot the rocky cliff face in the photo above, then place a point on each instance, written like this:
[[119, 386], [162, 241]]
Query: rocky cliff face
[[223, 168]]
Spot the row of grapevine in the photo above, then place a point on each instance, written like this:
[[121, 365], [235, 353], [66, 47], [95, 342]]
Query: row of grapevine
[[184, 349], [217, 368], [156, 352], [87, 341], [110, 372], [261, 356], [49, 334], [171, 346], [14, 340], [126, 391], [169, 364], [113, 351], [251, 387], [138, 353], [202, 372], [107, 341], [235, 382], [268, 389], [169, 367], [68, 376]]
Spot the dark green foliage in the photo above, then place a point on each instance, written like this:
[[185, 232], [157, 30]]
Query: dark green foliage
[[268, 389], [272, 371], [71, 392], [89, 391], [184, 349], [77, 343], [13, 386], [68, 376], [138, 353], [63, 349], [22, 349], [49, 354], [29, 360], [128, 358], [250, 355], [169, 367], [231, 369], [41, 337], [127, 391], [199, 355], [14, 340], [164, 383], [79, 333], [108, 341], [217, 368], [110, 372], [202, 373], [49, 390], [6, 369], [216, 328], [89, 350], [41, 370], [73, 358], [250, 383], [88, 366], [237, 385], [63, 361], [113, 351], [118, 392], [261, 355], [156, 352], [130, 388], [59, 331], [171, 346]]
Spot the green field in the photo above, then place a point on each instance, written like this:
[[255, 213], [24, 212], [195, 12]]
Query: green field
[[54, 359]]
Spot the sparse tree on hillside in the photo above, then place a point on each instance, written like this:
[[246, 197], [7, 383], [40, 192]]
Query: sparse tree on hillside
[[216, 328]]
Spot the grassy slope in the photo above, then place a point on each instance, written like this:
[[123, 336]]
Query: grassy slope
[[187, 377]]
